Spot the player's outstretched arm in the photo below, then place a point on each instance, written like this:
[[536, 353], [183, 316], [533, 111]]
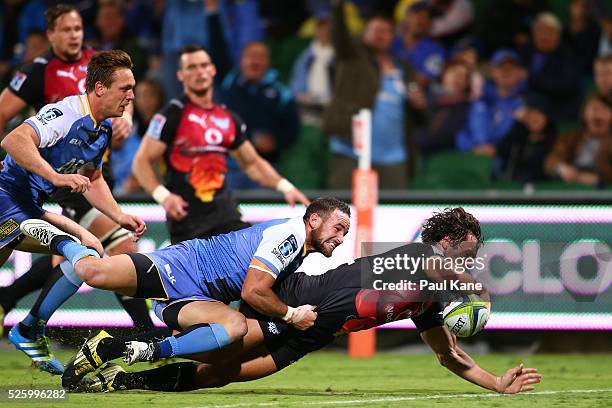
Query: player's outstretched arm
[[260, 171], [444, 345]]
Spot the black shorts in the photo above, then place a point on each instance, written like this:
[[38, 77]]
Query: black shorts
[[148, 282], [287, 345], [74, 206]]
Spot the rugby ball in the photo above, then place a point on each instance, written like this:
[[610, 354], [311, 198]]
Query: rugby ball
[[465, 316]]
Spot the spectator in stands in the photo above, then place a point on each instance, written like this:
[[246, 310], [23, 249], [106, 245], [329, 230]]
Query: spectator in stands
[[185, 22], [368, 76], [585, 156], [603, 76], [311, 80], [525, 148], [467, 52], [553, 71], [605, 40], [448, 107], [582, 35], [266, 106], [507, 23], [415, 45], [148, 99], [492, 116], [452, 20], [112, 33]]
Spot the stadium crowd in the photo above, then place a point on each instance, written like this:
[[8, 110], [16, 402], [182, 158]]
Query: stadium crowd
[[464, 94]]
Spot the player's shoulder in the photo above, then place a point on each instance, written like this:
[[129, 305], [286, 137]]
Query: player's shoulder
[[281, 227], [67, 109]]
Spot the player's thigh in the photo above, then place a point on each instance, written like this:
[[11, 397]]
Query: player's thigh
[[117, 273], [205, 311], [245, 349]]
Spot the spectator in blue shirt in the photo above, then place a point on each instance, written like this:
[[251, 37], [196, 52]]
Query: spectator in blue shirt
[[266, 106], [416, 47], [492, 116]]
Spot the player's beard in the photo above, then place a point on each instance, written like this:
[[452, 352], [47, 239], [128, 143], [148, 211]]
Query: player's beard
[[318, 243], [200, 92]]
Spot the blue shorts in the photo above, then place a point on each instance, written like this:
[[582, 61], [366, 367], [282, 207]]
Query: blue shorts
[[12, 213]]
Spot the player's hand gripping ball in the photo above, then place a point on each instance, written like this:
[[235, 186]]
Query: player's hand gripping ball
[[465, 316]]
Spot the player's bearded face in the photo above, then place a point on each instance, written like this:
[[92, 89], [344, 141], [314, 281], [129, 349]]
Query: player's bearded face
[[66, 38], [330, 233]]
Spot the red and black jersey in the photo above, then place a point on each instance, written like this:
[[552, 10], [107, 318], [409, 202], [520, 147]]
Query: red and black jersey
[[49, 79], [198, 141]]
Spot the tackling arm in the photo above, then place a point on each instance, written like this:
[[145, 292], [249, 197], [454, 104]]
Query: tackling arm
[[257, 292], [450, 355]]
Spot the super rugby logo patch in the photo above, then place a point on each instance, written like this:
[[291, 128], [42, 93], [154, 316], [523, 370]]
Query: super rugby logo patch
[[287, 248], [48, 115], [18, 80]]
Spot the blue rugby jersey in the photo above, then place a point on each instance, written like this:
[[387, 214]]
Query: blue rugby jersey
[[69, 139], [216, 267]]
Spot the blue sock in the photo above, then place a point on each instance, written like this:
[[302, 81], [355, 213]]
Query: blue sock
[[55, 292], [196, 339], [73, 251]]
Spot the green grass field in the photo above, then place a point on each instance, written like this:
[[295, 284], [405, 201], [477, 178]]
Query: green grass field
[[331, 379]]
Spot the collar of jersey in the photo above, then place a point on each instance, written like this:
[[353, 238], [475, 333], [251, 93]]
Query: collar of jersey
[[87, 108]]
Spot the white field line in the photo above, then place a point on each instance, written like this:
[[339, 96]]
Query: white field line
[[400, 399]]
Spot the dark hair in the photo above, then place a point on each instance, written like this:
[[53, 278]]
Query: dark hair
[[103, 65], [382, 16], [454, 223], [324, 206], [190, 49], [55, 12]]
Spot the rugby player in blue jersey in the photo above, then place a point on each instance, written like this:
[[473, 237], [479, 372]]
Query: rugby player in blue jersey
[[62, 146], [192, 282]]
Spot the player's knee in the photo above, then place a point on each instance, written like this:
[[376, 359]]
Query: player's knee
[[236, 326], [92, 273]]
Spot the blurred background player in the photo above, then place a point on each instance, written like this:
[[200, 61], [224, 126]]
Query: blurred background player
[[49, 78], [196, 199]]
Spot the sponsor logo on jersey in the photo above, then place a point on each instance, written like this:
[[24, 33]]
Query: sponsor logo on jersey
[[71, 167], [67, 74], [76, 142], [288, 247], [272, 328], [171, 277], [223, 123], [156, 126], [48, 115], [8, 228], [18, 80], [278, 255]]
